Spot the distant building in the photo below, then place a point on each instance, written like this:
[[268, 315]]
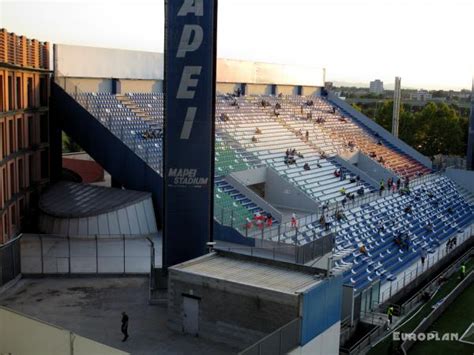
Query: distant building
[[376, 87], [421, 95]]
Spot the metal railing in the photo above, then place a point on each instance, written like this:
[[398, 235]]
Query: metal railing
[[280, 342]]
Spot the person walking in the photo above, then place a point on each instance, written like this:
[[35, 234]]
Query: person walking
[[463, 271], [390, 314], [124, 326]]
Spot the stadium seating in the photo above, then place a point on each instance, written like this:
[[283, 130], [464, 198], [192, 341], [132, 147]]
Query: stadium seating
[[251, 132]]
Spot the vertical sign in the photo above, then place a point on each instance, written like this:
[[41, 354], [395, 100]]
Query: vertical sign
[[190, 75]]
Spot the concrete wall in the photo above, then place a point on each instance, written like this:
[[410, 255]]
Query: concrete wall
[[141, 86], [380, 130], [20, 334], [280, 193], [326, 343], [227, 88], [311, 90], [94, 62], [356, 171], [286, 90], [89, 84], [252, 196], [235, 314], [258, 89], [375, 170], [465, 178], [119, 63]]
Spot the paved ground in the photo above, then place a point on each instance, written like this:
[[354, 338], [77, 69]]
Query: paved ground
[[91, 307]]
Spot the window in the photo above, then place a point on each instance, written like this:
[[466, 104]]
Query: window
[[3, 140], [10, 93], [29, 87], [12, 178], [11, 135], [19, 130], [31, 130], [43, 87], [18, 93], [21, 174], [2, 107]]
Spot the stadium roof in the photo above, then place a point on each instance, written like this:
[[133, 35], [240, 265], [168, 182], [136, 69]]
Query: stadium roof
[[252, 271], [73, 200]]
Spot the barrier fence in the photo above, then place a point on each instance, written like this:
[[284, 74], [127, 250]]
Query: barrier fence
[[10, 266], [115, 254], [280, 342]]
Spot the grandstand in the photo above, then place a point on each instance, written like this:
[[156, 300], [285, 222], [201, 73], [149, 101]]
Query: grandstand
[[137, 119], [292, 172]]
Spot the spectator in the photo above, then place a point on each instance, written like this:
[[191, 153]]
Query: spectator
[[343, 201], [307, 136], [318, 165], [398, 184], [360, 191], [389, 182], [382, 187], [363, 249], [258, 131], [380, 226], [277, 106], [429, 227], [408, 209], [423, 257], [351, 196], [293, 221], [254, 139], [342, 190], [372, 154], [322, 220], [337, 173], [407, 182], [394, 187], [269, 220], [248, 223], [275, 112], [306, 166]]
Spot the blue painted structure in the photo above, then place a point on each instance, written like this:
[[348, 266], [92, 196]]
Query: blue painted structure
[[322, 306], [189, 87]]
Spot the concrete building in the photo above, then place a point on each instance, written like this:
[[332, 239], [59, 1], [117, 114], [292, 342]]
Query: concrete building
[[24, 129], [376, 87], [421, 95], [237, 300]]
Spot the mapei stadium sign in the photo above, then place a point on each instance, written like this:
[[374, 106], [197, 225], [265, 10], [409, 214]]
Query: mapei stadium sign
[[186, 177], [189, 88]]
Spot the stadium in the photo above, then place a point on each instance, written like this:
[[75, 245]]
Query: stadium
[[266, 213]]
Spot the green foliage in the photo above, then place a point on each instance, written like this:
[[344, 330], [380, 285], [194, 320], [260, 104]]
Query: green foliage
[[437, 128], [69, 146]]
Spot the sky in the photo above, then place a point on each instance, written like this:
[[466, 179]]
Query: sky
[[428, 43]]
